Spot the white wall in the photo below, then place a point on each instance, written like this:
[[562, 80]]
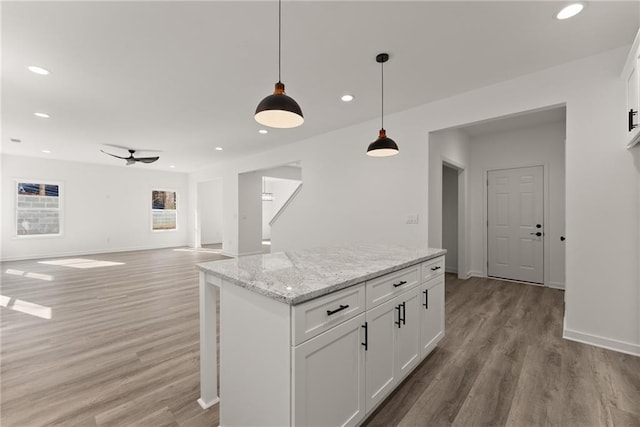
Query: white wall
[[450, 218], [365, 199], [532, 146], [210, 211], [105, 208], [250, 213]]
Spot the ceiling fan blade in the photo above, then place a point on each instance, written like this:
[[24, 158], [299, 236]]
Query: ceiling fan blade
[[125, 158], [146, 159]]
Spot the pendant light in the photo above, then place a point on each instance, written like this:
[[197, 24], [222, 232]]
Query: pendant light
[[279, 110], [383, 146]]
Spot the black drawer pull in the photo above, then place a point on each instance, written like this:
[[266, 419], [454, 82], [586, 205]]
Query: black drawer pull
[[404, 312], [366, 336], [632, 125], [402, 282], [437, 267], [426, 298], [342, 307], [399, 322]]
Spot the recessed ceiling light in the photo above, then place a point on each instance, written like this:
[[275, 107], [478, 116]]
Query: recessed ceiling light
[[38, 70], [570, 11], [218, 148], [347, 98], [46, 151], [172, 166], [43, 115], [263, 131]]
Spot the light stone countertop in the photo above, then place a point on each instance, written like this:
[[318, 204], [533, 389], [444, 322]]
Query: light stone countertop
[[299, 276]]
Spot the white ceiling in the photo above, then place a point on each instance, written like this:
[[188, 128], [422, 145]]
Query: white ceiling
[[185, 77]]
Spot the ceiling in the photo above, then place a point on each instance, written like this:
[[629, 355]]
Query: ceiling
[[182, 78]]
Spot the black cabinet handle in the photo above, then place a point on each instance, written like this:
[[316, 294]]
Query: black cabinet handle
[[399, 322], [342, 307], [632, 126], [536, 234], [562, 238], [366, 336], [426, 298], [437, 267], [404, 313], [402, 282]]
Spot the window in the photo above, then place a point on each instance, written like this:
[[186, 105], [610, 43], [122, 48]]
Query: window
[[37, 209], [164, 210]]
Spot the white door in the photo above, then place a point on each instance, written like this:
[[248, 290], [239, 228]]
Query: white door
[[431, 314], [329, 377], [515, 231], [407, 345], [379, 356]]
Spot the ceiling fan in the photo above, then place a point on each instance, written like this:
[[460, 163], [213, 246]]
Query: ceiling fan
[[131, 159]]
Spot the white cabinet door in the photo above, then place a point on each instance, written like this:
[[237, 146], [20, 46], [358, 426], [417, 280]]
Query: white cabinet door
[[431, 315], [407, 343], [632, 101], [379, 356], [328, 372]]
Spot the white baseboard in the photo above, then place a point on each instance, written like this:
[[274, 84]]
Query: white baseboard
[[556, 285], [474, 273], [229, 254], [250, 253], [90, 252], [207, 405], [451, 270], [598, 341]]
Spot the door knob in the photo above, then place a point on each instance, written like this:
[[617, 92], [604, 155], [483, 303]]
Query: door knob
[[562, 238], [536, 234], [538, 225]]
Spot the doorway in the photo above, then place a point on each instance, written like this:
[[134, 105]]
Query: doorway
[[515, 224], [450, 217]]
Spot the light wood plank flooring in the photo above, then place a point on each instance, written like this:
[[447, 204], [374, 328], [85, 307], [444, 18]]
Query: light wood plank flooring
[[121, 349]]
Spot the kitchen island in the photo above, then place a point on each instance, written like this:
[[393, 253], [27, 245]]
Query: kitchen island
[[318, 336]]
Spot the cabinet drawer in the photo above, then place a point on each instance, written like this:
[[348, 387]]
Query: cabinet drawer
[[388, 286], [432, 268], [316, 316]]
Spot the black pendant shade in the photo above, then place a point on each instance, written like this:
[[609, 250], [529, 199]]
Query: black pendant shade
[[279, 110], [383, 146]]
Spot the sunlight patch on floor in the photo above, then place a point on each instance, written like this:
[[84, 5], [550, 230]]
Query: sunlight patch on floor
[[26, 307], [81, 263], [39, 276]]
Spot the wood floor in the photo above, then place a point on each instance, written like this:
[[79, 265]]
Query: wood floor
[[121, 349]]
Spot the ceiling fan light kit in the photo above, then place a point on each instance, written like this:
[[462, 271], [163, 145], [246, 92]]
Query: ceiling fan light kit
[[279, 110]]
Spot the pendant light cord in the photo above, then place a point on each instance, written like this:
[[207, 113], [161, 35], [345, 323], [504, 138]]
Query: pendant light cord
[[279, 39], [382, 106]]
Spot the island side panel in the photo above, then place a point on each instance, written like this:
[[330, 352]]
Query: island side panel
[[255, 359], [208, 344]]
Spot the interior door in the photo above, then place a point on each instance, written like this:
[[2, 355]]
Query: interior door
[[515, 233]]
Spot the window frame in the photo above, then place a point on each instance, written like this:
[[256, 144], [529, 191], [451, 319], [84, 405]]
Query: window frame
[[59, 209], [152, 210]]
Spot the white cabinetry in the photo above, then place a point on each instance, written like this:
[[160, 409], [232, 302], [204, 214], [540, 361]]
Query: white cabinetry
[[328, 377], [630, 74], [431, 314], [393, 345], [329, 361]]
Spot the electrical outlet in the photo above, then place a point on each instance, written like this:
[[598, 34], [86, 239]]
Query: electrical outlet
[[412, 219]]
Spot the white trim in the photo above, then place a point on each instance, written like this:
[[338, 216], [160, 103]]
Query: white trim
[[475, 273], [229, 254], [250, 253], [152, 210], [207, 405], [94, 252], [451, 270], [602, 342], [60, 208], [556, 285]]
